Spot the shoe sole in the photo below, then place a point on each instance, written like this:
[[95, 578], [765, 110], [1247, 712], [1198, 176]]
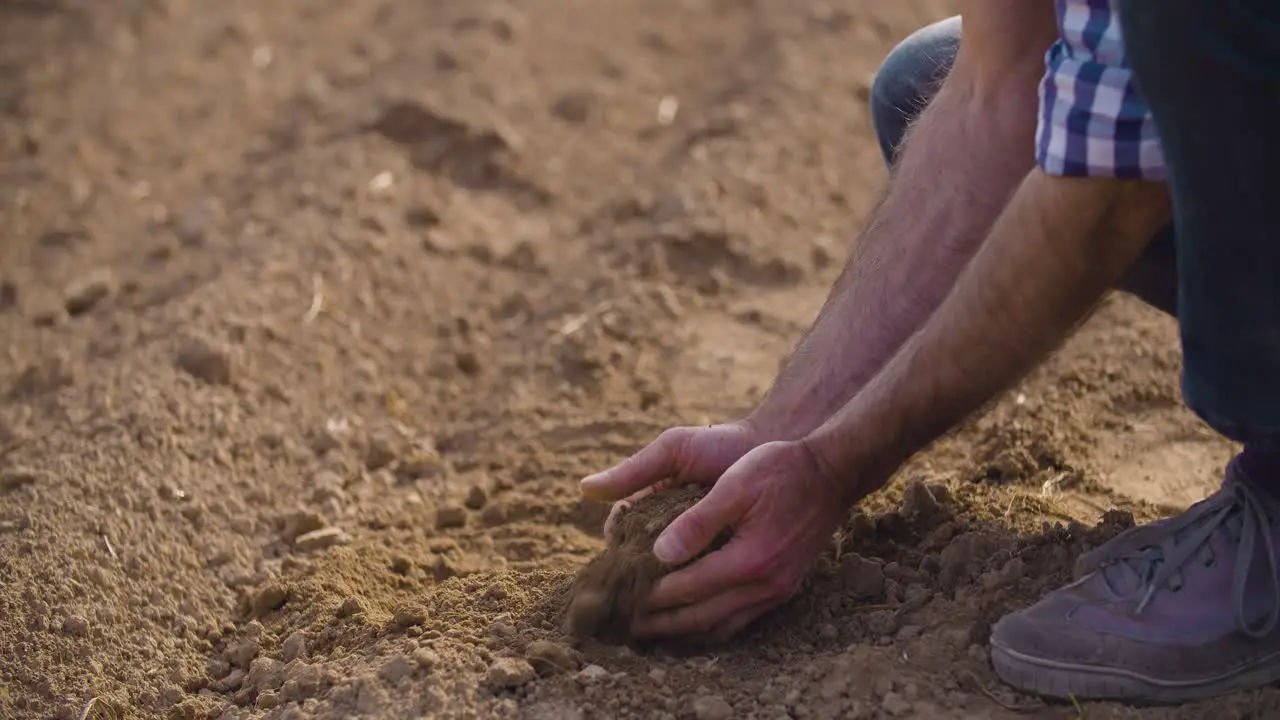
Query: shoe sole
[[1069, 681]]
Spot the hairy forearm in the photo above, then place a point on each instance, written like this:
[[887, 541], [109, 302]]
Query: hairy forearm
[[963, 159], [1056, 249]]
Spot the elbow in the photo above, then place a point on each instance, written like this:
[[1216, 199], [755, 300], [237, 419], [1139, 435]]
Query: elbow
[[930, 67]]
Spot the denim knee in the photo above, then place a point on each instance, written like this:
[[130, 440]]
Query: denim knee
[[908, 79]]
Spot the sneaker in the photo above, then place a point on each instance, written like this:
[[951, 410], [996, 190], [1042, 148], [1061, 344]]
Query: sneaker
[[1183, 609]]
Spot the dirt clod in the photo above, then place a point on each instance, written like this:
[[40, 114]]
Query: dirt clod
[[919, 503], [268, 598], [76, 626], [450, 517], [207, 361], [549, 658], [410, 615], [864, 578], [610, 591], [476, 498], [295, 647], [712, 707], [16, 477], [301, 522], [508, 673]]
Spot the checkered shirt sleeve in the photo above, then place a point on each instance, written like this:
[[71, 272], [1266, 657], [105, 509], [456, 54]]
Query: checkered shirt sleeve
[[1092, 122]]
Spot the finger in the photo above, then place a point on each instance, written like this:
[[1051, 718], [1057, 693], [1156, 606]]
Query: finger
[[736, 564], [658, 460], [736, 623], [698, 526], [614, 511], [702, 617]]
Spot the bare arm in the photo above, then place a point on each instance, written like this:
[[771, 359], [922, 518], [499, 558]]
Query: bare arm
[[1052, 254], [962, 160]]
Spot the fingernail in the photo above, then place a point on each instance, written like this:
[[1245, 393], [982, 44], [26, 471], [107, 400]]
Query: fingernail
[[668, 548], [590, 486]]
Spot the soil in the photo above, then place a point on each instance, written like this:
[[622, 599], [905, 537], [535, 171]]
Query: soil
[[609, 593], [315, 312]]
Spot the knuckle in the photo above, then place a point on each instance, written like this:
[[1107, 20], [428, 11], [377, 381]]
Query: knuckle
[[672, 438]]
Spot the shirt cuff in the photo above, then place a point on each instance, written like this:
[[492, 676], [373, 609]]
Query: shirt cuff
[[1092, 121]]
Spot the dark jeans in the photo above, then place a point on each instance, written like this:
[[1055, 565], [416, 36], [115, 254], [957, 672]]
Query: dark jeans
[[1211, 73]]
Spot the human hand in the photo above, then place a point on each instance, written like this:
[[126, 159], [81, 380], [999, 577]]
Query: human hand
[[782, 508], [678, 456]]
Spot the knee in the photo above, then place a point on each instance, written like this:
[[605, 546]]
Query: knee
[[908, 78]]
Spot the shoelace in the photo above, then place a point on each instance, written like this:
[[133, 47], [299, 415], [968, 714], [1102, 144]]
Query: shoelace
[[1156, 555]]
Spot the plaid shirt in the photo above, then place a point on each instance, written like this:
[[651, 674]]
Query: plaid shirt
[[1092, 121]]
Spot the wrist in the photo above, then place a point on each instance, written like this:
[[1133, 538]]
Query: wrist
[[849, 460]]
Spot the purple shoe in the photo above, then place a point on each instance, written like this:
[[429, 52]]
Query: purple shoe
[[1183, 609]]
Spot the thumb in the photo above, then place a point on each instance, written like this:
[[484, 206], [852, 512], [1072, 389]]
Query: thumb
[[695, 529], [659, 460]]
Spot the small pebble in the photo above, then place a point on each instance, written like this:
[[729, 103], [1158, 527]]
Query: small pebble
[[87, 291], [351, 606]]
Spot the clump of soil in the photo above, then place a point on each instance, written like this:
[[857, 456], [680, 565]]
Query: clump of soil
[[609, 594]]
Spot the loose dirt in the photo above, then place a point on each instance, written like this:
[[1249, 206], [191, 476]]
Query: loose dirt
[[315, 312], [609, 593]]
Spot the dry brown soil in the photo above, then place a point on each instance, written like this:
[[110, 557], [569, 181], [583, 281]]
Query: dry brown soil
[[315, 312]]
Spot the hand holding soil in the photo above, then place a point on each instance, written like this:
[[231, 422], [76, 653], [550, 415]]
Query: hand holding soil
[[780, 511]]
